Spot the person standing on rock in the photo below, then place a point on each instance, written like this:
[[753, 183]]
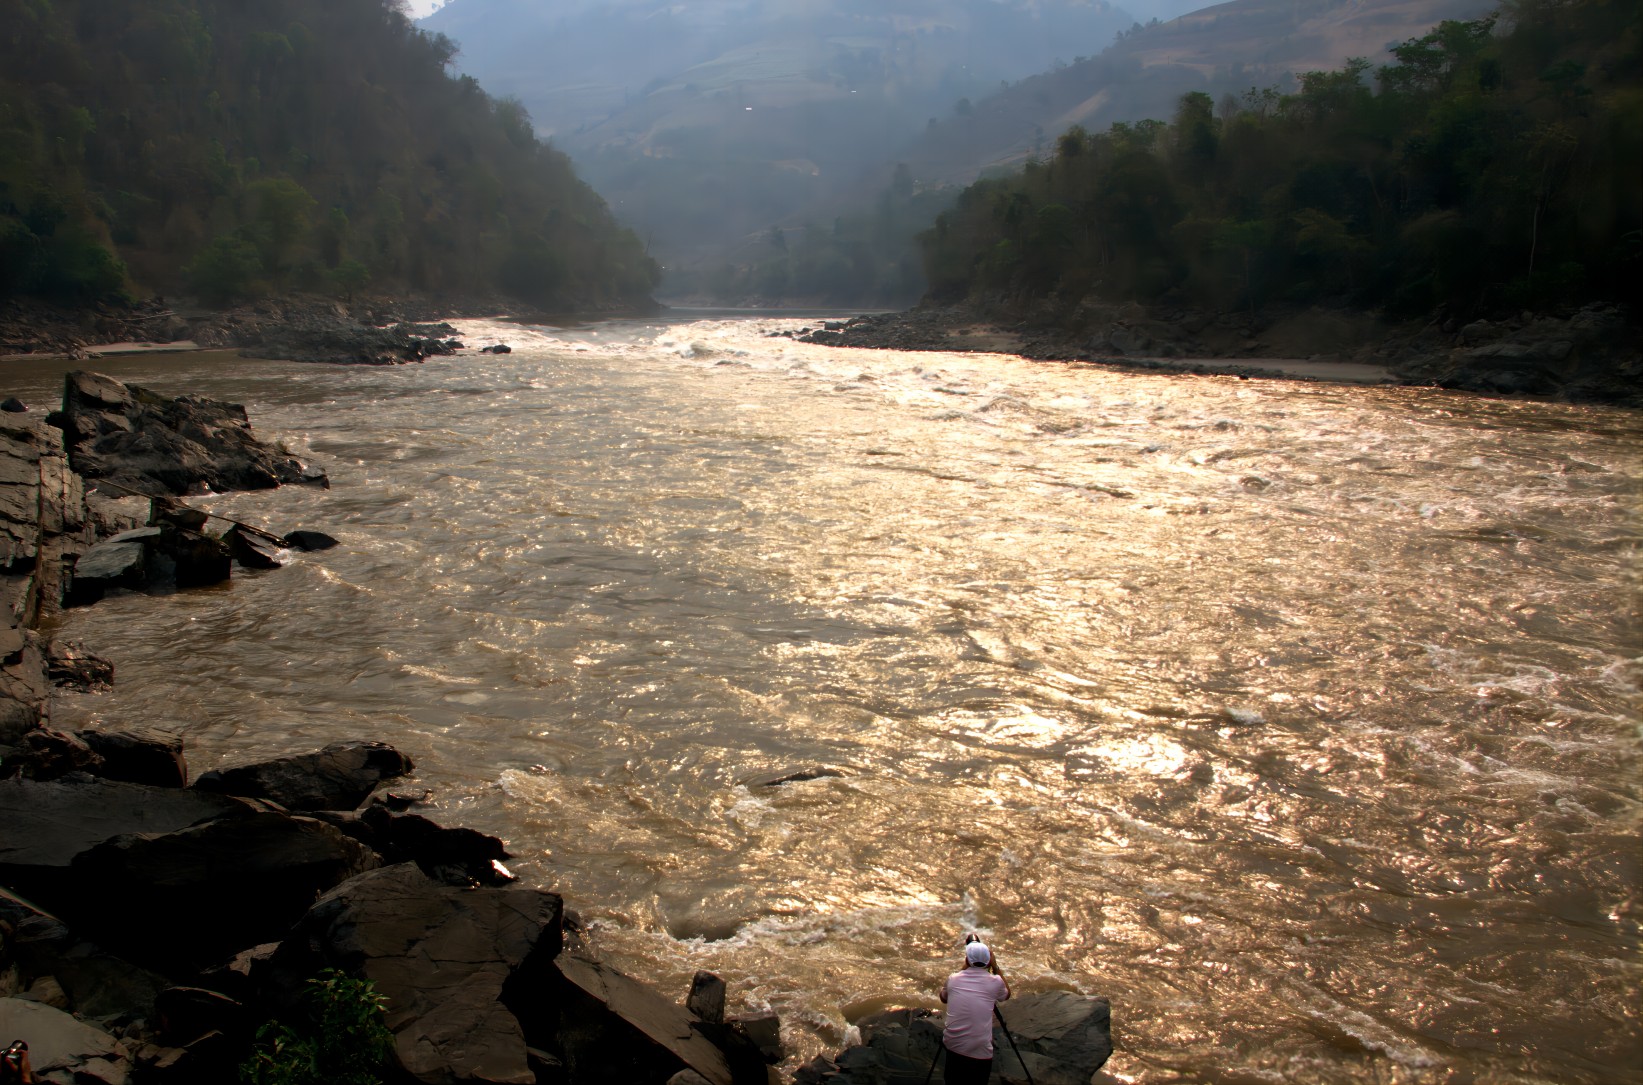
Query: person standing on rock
[[970, 997]]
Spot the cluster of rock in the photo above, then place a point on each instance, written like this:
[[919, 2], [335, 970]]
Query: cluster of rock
[[144, 443], [1054, 1038], [1593, 354], [34, 327], [301, 329], [330, 336], [148, 927], [46, 520], [296, 328], [64, 543]]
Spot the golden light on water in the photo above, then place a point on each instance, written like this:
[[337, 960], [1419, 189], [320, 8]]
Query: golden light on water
[[1299, 720]]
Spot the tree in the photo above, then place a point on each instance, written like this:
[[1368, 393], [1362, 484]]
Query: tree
[[228, 269], [277, 220]]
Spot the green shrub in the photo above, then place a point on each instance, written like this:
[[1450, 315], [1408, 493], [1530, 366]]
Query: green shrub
[[349, 278], [74, 266], [227, 269], [342, 1041], [19, 256]]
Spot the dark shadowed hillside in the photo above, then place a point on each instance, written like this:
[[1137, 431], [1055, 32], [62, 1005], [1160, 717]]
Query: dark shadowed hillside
[[1491, 168], [240, 149], [1225, 49]]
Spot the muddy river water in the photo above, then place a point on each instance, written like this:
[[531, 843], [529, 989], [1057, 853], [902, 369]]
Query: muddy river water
[[1299, 720]]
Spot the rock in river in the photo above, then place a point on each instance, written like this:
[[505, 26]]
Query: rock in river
[[339, 777], [139, 440]]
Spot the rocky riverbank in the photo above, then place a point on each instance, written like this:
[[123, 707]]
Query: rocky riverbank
[[150, 922], [298, 328], [1588, 355]]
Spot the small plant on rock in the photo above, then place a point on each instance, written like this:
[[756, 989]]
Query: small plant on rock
[[342, 1041]]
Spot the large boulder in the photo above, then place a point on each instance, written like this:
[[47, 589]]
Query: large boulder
[[197, 876], [1061, 1037], [614, 1029], [454, 856], [139, 755], [119, 562], [444, 958], [339, 777], [44, 826], [62, 1050], [195, 896], [139, 440]]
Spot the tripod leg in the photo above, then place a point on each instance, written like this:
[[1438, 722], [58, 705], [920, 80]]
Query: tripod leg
[[940, 1047], [1006, 1030]]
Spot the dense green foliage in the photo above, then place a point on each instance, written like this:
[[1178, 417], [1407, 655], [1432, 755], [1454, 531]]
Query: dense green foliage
[[233, 149], [342, 1039], [866, 258], [1495, 164]]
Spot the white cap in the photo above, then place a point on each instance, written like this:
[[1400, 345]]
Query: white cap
[[978, 953]]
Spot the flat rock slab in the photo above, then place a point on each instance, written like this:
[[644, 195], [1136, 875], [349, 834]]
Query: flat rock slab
[[120, 561], [643, 1036], [62, 1050], [48, 824]]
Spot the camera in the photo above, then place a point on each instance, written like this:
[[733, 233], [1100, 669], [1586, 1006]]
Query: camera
[[12, 1061]]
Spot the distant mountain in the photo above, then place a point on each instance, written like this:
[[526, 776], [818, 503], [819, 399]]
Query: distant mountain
[[1226, 49], [703, 123]]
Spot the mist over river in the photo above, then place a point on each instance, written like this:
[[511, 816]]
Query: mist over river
[[1299, 720]]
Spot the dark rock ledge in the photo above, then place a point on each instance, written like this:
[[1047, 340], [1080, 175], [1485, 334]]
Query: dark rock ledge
[[1592, 354], [302, 328], [148, 928]]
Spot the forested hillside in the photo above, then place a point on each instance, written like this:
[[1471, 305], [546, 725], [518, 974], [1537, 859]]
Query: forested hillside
[[1217, 49], [1494, 165], [234, 149]]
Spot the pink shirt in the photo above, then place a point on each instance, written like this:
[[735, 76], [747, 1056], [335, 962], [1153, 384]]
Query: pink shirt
[[971, 995]]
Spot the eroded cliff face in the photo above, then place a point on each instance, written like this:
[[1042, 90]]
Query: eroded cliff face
[[43, 519]]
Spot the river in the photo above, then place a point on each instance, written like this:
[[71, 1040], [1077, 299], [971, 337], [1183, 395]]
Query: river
[[1299, 720]]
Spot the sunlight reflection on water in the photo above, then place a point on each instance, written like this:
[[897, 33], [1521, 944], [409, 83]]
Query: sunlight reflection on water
[[1300, 720]]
